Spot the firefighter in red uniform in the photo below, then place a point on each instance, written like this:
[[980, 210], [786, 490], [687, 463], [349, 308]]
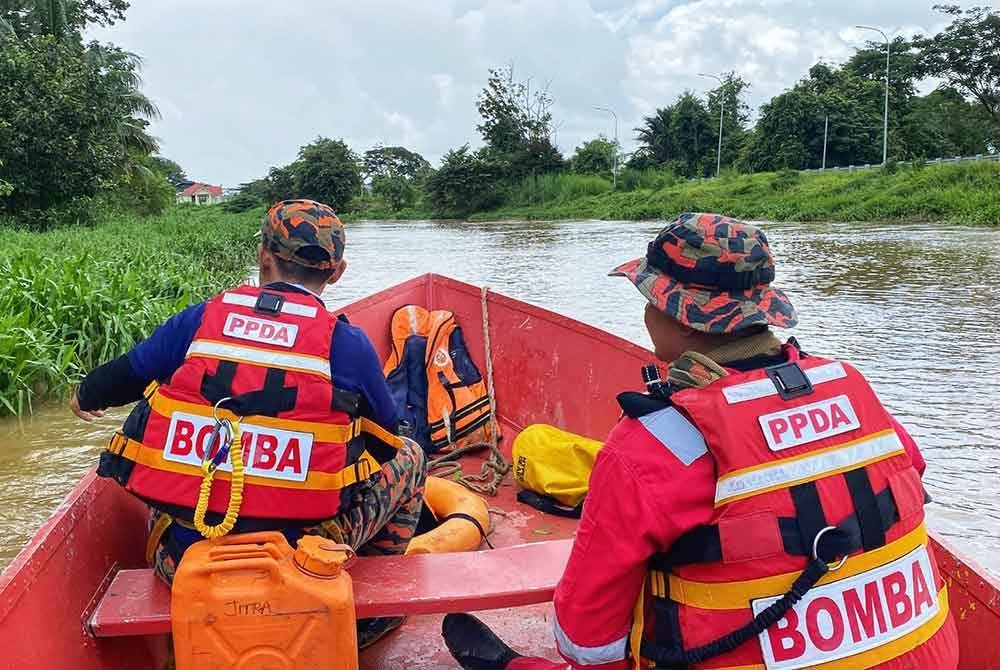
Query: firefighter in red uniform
[[302, 389], [759, 509]]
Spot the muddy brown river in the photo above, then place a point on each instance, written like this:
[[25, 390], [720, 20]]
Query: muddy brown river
[[915, 307]]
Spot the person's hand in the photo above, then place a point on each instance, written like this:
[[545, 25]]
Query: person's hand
[[74, 404]]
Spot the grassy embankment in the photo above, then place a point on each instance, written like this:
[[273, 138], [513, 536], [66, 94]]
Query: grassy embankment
[[958, 193], [76, 297]]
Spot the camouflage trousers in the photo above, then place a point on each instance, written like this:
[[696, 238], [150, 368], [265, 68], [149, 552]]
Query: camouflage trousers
[[379, 520]]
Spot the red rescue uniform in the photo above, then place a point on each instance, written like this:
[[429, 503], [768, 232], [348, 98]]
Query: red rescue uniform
[[680, 477]]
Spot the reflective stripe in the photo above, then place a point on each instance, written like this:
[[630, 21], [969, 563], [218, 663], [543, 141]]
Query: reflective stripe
[[322, 432], [765, 387], [676, 433], [253, 355], [581, 655], [315, 480], [737, 595], [251, 301], [807, 467]]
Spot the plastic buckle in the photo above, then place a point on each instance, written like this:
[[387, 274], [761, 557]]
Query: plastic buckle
[[790, 381], [269, 303]]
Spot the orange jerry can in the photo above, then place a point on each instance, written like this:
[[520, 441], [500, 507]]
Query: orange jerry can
[[249, 602]]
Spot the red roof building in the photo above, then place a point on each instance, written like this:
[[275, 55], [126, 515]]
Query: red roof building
[[200, 194]]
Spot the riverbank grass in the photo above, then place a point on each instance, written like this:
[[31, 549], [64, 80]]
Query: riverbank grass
[[76, 297], [959, 193]]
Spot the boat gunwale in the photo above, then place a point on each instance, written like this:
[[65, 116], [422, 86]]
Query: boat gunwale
[[49, 541]]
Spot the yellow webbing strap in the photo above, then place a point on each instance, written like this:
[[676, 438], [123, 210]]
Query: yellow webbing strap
[[235, 490], [638, 629], [156, 534]]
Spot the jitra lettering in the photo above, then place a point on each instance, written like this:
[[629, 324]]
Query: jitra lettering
[[848, 617]]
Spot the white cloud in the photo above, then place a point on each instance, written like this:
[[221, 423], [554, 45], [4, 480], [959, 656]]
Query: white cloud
[[242, 84]]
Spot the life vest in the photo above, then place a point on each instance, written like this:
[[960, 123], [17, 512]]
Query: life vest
[[810, 470], [264, 357], [438, 390]]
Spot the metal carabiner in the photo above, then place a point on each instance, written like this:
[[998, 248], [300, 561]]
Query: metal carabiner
[[816, 540], [215, 408]]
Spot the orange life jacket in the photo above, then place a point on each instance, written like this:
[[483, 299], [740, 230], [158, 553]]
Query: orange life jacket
[[437, 387], [807, 461], [266, 356]]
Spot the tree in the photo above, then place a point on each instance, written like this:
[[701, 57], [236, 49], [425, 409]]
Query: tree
[[72, 123], [692, 136], [516, 124], [64, 19], [596, 156], [966, 54], [168, 169], [679, 137], [397, 192], [735, 115], [656, 146], [394, 162], [394, 174], [280, 184], [944, 123], [789, 132], [512, 115], [328, 171], [466, 182], [121, 70]]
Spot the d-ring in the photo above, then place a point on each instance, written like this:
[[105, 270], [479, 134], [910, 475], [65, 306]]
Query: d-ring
[[816, 549], [215, 409]]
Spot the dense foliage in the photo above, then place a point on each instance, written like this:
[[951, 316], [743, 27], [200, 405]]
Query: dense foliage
[[74, 139], [596, 156], [71, 299], [961, 193], [73, 121], [832, 117]]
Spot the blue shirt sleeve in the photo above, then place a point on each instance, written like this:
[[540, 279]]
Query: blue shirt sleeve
[[356, 367], [159, 355]]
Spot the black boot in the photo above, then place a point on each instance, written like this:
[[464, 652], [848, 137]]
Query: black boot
[[474, 645]]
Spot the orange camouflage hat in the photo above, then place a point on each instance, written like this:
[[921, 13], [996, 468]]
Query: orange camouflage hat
[[304, 232], [713, 274]]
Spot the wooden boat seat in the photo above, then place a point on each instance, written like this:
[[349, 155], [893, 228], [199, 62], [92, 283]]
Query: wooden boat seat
[[136, 602]]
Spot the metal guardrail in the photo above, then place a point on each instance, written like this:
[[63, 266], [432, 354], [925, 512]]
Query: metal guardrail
[[869, 166], [935, 161]]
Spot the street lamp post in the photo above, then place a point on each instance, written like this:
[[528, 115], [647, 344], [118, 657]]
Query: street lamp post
[[885, 121], [614, 168], [826, 127], [722, 113]]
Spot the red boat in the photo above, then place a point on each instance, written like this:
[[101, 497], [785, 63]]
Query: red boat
[[78, 595]]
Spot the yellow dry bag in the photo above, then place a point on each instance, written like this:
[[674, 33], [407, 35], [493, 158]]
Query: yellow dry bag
[[553, 466]]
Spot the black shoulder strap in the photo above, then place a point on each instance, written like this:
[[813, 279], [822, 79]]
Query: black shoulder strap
[[637, 405]]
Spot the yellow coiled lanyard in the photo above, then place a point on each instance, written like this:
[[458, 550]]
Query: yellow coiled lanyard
[[230, 439]]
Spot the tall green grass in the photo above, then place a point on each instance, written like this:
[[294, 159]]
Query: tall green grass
[[961, 193], [76, 297], [558, 188]]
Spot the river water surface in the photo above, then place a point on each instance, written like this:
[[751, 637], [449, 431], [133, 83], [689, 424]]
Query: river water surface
[[914, 307]]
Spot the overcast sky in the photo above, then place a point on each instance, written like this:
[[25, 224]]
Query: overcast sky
[[241, 84]]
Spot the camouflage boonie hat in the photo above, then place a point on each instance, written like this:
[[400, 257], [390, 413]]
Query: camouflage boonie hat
[[713, 274], [304, 232]]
